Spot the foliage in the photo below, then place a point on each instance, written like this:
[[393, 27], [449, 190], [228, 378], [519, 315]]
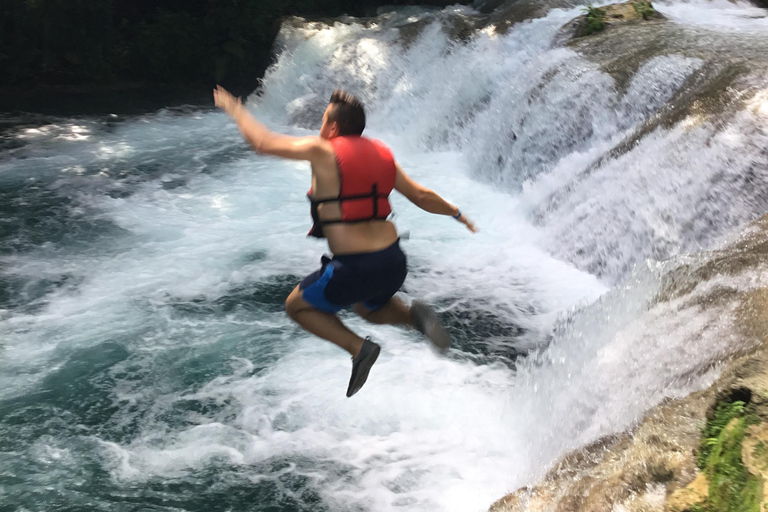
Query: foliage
[[732, 488], [595, 19], [724, 413], [644, 9], [55, 39]]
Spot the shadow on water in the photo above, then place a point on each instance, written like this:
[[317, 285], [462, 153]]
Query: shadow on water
[[266, 296], [128, 99], [282, 486], [33, 215], [24, 294], [484, 337], [81, 389], [274, 486]]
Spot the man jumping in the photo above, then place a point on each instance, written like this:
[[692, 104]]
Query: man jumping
[[352, 177]]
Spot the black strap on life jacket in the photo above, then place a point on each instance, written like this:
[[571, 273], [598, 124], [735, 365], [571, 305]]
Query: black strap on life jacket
[[318, 223]]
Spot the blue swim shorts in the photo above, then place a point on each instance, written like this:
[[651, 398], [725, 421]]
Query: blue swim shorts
[[371, 278]]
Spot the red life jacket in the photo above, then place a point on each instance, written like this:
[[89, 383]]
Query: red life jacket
[[366, 177]]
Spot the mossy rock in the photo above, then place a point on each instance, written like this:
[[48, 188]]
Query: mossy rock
[[597, 19], [735, 481], [755, 454], [691, 496]]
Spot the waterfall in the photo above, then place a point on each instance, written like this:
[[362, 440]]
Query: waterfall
[[145, 357]]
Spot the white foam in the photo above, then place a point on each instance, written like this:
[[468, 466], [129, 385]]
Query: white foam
[[721, 15], [679, 191], [426, 433]]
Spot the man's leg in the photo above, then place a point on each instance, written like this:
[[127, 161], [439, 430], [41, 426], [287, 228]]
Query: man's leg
[[394, 312], [419, 316], [319, 323]]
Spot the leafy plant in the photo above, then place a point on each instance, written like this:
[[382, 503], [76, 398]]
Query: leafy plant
[[724, 413], [595, 20], [644, 9], [732, 488]]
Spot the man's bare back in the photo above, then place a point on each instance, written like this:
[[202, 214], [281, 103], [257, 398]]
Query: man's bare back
[[345, 238]]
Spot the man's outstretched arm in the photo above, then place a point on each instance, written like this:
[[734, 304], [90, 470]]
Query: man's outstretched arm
[[259, 136], [427, 199]]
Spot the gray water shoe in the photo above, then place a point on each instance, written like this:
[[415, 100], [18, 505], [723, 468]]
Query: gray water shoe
[[361, 365], [428, 323]]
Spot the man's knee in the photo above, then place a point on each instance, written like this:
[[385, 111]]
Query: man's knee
[[293, 303]]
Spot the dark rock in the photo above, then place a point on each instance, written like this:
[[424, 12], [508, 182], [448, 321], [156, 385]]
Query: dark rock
[[505, 14], [487, 6], [612, 15]]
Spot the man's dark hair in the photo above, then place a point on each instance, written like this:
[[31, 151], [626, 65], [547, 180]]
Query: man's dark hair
[[347, 112]]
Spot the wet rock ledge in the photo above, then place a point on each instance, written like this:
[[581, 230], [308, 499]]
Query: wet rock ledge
[[598, 19], [707, 452]]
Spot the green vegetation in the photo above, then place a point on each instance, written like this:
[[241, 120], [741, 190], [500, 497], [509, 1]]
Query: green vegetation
[[732, 488], [725, 412], [595, 20], [644, 9], [156, 41]]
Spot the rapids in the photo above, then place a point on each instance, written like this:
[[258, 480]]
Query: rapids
[[146, 362]]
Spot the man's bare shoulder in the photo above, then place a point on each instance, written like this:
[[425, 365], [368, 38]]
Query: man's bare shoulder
[[320, 148], [324, 161], [323, 145]]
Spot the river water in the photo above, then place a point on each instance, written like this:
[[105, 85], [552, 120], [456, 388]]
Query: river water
[[146, 362]]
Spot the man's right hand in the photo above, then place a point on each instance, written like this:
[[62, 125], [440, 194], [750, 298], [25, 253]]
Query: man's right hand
[[225, 101]]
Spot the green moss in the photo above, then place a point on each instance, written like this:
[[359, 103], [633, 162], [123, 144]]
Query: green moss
[[761, 454], [724, 413], [732, 488], [644, 9], [595, 20]]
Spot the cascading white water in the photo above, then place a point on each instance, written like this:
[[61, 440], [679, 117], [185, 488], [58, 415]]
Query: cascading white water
[[148, 354]]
